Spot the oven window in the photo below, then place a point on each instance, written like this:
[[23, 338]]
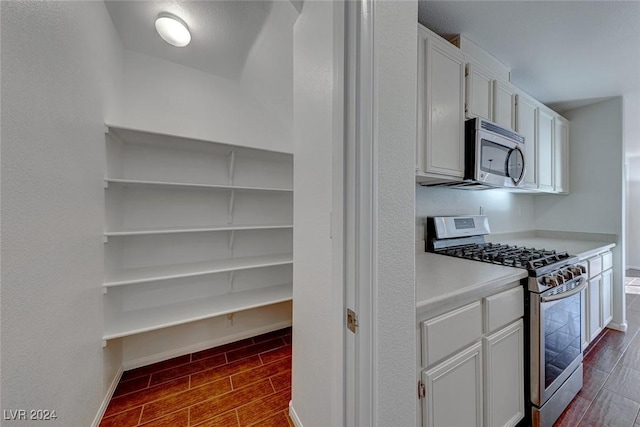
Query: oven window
[[562, 341], [494, 158]]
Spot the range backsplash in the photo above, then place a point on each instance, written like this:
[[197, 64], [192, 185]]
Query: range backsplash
[[507, 212]]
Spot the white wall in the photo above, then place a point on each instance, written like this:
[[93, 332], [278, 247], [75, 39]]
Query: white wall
[[596, 180], [61, 76], [395, 73], [632, 152], [507, 212], [268, 70], [317, 299], [166, 97]]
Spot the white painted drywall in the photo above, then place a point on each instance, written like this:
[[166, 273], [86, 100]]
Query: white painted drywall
[[167, 97], [632, 153], [317, 299], [507, 212], [61, 76], [268, 70], [395, 74], [595, 203]]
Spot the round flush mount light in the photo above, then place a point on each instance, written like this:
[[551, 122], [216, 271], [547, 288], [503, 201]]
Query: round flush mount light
[[173, 30]]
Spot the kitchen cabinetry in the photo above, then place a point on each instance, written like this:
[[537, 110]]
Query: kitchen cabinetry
[[488, 97], [441, 91], [503, 104], [598, 304], [560, 155], [194, 229], [545, 149], [527, 125], [472, 363], [479, 87]]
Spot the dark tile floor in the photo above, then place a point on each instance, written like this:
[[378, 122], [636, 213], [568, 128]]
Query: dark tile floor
[[245, 383], [610, 395]]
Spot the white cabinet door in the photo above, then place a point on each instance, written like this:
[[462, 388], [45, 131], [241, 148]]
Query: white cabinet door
[[584, 314], [594, 307], [503, 100], [441, 107], [454, 391], [479, 92], [545, 149], [606, 301], [526, 125], [504, 376], [561, 155]]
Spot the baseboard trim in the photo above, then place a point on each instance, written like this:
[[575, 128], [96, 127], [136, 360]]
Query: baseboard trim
[[107, 398], [618, 327], [632, 267], [148, 360], [294, 417]]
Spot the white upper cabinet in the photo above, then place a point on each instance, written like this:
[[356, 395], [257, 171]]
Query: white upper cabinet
[[545, 149], [441, 91], [526, 125], [479, 86], [503, 100], [561, 155]]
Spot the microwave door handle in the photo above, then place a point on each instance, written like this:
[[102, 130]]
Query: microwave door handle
[[517, 180], [579, 288]]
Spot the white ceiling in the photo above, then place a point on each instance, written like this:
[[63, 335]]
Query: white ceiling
[[564, 53], [223, 32]]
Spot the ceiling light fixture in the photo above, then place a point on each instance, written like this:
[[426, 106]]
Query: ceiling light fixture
[[173, 30]]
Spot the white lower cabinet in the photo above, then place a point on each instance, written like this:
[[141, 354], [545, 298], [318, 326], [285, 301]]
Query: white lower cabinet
[[453, 390], [504, 374], [471, 378], [595, 326], [598, 301], [605, 297]]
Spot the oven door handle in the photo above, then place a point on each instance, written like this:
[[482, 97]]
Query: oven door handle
[[579, 288]]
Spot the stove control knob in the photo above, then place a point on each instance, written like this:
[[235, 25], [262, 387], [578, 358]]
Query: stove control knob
[[553, 280], [568, 273]]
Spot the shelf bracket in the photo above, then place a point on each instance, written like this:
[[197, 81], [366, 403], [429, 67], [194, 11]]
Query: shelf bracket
[[105, 239], [104, 343], [105, 184], [231, 281], [232, 164], [231, 200], [104, 290], [232, 235]]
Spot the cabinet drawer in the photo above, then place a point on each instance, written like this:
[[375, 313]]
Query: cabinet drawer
[[595, 266], [607, 261], [503, 308], [450, 332]]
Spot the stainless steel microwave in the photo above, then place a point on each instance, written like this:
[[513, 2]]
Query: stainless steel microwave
[[494, 156]]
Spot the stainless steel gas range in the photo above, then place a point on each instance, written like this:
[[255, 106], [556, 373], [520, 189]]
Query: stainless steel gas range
[[553, 300]]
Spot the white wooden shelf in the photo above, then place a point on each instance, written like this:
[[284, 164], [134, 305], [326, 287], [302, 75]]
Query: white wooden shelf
[[168, 272], [149, 319], [143, 231], [186, 185], [145, 136]]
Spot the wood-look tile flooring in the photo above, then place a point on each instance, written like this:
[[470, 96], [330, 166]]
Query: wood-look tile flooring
[[245, 383], [610, 394]]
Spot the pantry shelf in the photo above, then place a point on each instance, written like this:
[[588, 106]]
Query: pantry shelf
[[158, 317], [186, 185], [168, 272], [143, 231]]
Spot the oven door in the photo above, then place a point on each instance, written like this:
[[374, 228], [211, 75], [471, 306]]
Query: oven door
[[499, 161], [555, 328]]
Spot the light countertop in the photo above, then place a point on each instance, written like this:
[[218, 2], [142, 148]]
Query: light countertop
[[444, 282]]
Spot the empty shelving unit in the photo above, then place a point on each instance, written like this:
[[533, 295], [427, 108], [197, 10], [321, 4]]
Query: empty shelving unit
[[194, 229]]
